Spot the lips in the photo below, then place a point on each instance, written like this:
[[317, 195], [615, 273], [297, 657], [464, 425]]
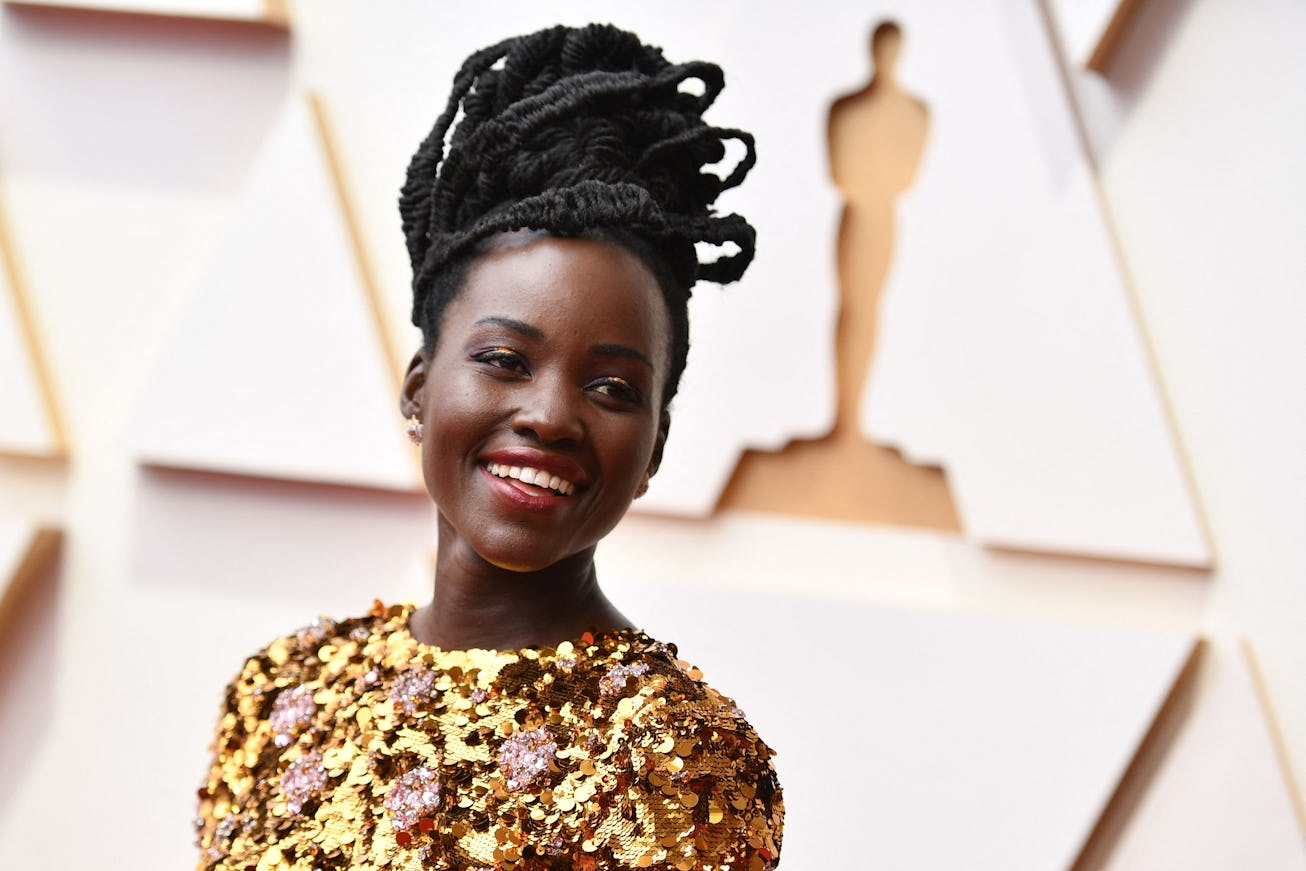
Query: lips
[[556, 473], [531, 475]]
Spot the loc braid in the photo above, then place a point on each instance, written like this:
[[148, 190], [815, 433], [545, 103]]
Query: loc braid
[[423, 169], [576, 131]]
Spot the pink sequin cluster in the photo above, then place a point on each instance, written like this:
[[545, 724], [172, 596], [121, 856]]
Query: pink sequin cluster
[[291, 712], [303, 779], [414, 795], [525, 756], [316, 632], [614, 681], [412, 689], [221, 842]]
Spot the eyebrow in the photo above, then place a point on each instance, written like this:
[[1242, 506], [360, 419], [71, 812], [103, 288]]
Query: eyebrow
[[513, 324], [604, 349], [628, 353]]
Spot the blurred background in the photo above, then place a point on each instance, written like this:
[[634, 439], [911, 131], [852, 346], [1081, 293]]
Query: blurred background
[[985, 496]]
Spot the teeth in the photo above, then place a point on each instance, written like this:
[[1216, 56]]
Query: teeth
[[528, 475]]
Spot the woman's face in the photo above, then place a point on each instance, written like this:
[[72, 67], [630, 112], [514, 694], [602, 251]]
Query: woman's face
[[542, 401]]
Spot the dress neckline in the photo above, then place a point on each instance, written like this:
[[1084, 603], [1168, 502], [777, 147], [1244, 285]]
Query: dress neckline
[[608, 639]]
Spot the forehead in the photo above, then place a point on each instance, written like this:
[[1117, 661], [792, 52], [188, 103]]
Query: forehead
[[585, 289]]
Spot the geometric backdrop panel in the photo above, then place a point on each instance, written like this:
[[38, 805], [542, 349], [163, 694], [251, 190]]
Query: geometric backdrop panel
[[263, 11], [1088, 29], [1219, 798], [1009, 352], [278, 369]]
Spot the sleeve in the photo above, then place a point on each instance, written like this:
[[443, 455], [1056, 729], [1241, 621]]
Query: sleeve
[[221, 816], [704, 794]]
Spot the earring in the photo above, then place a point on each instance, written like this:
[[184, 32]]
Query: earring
[[415, 430], [643, 486]]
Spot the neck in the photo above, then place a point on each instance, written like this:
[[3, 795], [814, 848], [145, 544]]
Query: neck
[[478, 604]]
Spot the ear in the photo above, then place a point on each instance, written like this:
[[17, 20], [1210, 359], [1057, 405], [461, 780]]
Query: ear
[[664, 427], [410, 402]]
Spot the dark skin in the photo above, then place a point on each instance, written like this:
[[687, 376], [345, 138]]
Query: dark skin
[[543, 416]]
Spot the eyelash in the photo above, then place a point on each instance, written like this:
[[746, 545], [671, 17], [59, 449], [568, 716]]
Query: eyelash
[[502, 358], [625, 391], [510, 361]]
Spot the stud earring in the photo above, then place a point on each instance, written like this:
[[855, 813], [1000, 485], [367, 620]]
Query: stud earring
[[415, 430]]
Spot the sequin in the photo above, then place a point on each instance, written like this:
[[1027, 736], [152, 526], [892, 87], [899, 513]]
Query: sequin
[[305, 777], [221, 837], [365, 749], [413, 795], [413, 689], [316, 632], [291, 712], [525, 756], [614, 682]]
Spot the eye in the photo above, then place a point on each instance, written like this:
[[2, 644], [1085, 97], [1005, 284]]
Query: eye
[[618, 388], [502, 358]]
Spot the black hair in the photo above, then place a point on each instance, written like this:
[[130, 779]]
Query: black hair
[[576, 132]]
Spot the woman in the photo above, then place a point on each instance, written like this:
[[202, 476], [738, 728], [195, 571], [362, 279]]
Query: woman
[[553, 256]]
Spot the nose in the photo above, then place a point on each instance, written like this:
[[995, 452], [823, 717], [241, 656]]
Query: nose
[[549, 411]]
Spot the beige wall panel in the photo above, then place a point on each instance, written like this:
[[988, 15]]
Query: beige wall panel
[[278, 369], [1008, 352], [1200, 139], [1218, 798], [266, 11], [1088, 29]]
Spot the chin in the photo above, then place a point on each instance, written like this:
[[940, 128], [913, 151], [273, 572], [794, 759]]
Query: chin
[[516, 564], [513, 557]]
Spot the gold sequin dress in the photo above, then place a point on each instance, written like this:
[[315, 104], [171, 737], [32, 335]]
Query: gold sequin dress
[[352, 745]]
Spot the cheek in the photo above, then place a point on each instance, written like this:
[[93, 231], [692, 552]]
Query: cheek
[[454, 420], [634, 452]]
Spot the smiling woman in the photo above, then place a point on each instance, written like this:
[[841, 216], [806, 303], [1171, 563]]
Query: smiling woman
[[518, 720], [552, 361]]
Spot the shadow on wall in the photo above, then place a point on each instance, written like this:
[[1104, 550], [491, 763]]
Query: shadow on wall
[[1133, 58], [332, 548], [29, 640]]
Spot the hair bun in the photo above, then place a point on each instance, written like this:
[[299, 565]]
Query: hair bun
[[570, 130]]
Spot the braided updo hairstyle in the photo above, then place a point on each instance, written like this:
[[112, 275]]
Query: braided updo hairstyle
[[576, 132]]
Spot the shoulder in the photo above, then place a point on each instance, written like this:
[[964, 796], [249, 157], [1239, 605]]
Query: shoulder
[[272, 695], [275, 699], [702, 764], [305, 653]]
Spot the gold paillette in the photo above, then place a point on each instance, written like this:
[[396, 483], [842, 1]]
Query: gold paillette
[[352, 745]]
